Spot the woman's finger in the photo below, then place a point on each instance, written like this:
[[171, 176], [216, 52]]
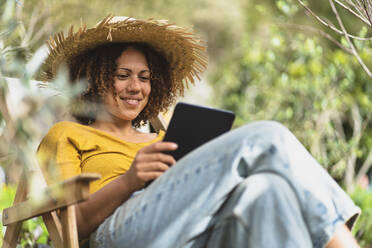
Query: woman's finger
[[156, 157], [160, 147], [149, 176], [152, 167]]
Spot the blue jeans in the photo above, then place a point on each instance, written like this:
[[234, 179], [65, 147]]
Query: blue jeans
[[255, 186]]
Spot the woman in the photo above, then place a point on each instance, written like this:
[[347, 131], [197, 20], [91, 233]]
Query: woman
[[253, 187]]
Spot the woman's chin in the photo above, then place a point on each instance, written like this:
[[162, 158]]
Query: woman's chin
[[127, 117]]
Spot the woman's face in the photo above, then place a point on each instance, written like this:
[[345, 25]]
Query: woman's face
[[131, 84]]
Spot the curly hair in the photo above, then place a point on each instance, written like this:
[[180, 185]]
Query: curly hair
[[98, 68]]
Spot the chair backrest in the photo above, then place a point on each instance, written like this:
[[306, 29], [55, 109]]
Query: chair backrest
[[159, 123]]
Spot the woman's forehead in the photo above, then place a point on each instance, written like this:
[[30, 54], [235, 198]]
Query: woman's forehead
[[132, 60]]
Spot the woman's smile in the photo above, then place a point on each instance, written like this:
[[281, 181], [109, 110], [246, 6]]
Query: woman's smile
[[130, 101]]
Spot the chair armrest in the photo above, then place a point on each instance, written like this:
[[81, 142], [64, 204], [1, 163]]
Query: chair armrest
[[70, 191]]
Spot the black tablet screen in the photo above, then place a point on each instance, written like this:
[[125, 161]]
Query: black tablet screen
[[192, 125]]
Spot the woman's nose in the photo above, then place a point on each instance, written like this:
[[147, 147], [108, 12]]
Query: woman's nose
[[134, 84]]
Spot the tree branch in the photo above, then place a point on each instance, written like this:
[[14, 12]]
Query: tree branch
[[338, 126], [365, 7], [357, 134], [351, 44], [330, 25], [320, 32], [353, 12], [10, 125], [365, 167]]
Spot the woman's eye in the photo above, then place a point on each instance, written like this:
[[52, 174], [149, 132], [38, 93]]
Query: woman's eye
[[145, 78], [122, 76]]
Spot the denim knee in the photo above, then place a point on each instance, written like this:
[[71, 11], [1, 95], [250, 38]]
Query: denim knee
[[266, 130], [266, 207]]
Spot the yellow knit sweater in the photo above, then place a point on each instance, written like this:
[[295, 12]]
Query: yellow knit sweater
[[70, 148]]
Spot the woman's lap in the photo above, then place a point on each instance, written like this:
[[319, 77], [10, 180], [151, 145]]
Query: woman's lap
[[181, 204], [250, 217]]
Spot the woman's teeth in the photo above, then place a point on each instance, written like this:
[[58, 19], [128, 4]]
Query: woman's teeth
[[131, 101]]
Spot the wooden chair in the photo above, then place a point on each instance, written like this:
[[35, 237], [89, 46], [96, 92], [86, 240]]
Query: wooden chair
[[60, 197]]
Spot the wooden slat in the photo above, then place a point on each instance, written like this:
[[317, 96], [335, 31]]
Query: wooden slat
[[70, 233], [159, 123], [54, 227], [13, 230], [69, 192]]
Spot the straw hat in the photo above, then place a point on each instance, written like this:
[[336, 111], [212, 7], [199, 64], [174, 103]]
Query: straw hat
[[184, 51]]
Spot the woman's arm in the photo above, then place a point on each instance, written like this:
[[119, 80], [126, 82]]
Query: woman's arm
[[148, 164]]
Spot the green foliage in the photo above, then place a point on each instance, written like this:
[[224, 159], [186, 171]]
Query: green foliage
[[16, 135], [287, 7], [6, 198], [362, 230], [33, 231], [318, 91]]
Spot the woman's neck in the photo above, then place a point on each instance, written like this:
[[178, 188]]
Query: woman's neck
[[123, 130], [118, 128]]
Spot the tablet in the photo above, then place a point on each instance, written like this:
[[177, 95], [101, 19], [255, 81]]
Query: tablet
[[191, 126]]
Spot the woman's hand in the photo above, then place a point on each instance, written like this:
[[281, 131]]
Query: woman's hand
[[149, 164]]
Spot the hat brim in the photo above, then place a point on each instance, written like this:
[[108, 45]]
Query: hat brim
[[184, 51]]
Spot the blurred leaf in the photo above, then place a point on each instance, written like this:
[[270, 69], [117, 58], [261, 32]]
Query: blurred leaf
[[9, 11], [36, 61]]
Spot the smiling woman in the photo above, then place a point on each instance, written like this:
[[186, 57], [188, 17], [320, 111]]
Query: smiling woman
[[255, 186], [112, 71], [130, 93]]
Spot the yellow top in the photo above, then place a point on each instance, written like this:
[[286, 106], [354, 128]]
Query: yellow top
[[70, 148]]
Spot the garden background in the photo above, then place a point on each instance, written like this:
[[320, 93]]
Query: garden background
[[284, 60]]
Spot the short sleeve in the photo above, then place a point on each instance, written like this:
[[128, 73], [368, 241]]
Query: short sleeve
[[58, 157]]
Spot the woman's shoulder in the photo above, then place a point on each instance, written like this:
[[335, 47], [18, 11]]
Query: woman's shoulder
[[63, 127], [65, 130], [67, 133], [64, 124]]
